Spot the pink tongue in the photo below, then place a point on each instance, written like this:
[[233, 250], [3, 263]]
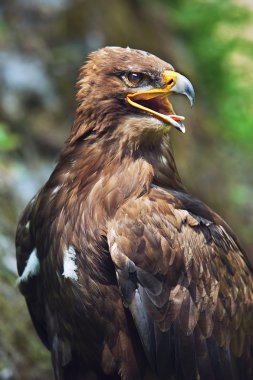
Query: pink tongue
[[177, 117]]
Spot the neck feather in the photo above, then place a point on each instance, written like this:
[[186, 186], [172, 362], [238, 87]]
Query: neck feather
[[93, 154], [106, 161]]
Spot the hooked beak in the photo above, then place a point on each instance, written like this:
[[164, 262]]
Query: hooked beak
[[156, 102]]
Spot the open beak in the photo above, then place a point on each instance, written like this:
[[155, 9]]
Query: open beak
[[156, 102]]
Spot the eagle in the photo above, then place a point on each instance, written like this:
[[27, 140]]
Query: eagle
[[125, 274]]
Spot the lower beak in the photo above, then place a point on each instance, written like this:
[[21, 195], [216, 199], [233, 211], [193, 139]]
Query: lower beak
[[156, 102]]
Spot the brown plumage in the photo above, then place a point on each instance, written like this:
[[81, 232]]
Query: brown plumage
[[126, 275]]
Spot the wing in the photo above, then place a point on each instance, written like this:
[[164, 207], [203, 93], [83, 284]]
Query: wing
[[31, 286], [187, 284], [29, 272]]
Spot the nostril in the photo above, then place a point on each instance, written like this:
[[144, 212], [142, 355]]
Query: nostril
[[170, 81]]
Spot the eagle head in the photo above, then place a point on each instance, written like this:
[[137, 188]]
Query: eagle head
[[128, 89]]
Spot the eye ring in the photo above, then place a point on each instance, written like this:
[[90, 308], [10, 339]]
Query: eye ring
[[135, 79]]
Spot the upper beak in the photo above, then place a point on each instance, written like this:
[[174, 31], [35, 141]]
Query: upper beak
[[155, 101], [180, 84]]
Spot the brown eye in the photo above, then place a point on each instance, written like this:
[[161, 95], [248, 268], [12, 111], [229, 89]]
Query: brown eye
[[135, 78]]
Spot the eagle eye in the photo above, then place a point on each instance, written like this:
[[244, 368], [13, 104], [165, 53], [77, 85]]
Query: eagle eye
[[135, 79]]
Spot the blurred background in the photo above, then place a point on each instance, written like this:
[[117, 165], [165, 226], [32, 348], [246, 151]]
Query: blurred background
[[42, 45]]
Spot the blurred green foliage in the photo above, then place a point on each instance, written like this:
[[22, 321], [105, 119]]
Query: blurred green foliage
[[219, 34], [8, 140]]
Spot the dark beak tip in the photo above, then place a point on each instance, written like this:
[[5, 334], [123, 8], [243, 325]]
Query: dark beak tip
[[181, 127], [190, 93]]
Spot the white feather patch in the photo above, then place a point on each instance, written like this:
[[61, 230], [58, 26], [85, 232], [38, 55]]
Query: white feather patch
[[56, 189], [69, 264], [32, 267], [164, 160]]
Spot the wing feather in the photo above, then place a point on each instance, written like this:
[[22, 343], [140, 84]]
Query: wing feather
[[31, 288], [187, 283]]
